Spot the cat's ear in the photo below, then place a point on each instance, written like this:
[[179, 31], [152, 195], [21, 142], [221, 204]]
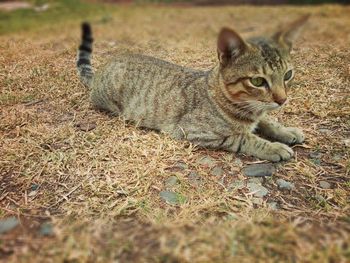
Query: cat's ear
[[230, 45], [290, 32]]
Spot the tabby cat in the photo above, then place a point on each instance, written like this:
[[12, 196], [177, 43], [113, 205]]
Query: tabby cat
[[222, 108]]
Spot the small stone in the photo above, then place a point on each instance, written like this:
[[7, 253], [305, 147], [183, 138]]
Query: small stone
[[256, 180], [34, 187], [8, 224], [272, 205], [194, 178], [32, 193], [231, 216], [316, 161], [86, 126], [177, 167], [320, 198], [207, 160], [257, 190], [238, 162], [285, 185], [171, 181], [106, 19], [325, 185], [337, 157], [41, 8], [237, 185], [347, 142], [172, 198], [323, 130], [257, 201], [181, 165], [217, 171], [121, 192], [316, 157], [46, 229], [259, 170]]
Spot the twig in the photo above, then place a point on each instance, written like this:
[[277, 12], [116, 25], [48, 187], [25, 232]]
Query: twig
[[23, 214], [65, 197]]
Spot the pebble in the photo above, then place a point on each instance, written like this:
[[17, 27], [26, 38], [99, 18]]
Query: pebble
[[181, 165], [172, 198], [171, 181], [34, 187], [236, 185], [320, 198], [272, 205], [325, 185], [316, 157], [32, 193], [238, 162], [122, 192], [194, 178], [256, 180], [337, 157], [257, 189], [217, 171], [347, 142], [86, 126], [8, 224], [259, 170], [257, 201], [46, 229], [324, 130], [207, 160], [177, 167], [285, 185]]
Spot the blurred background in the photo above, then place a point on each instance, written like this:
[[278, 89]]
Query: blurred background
[[16, 15]]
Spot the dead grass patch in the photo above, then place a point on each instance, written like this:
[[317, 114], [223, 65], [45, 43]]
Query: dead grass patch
[[100, 185]]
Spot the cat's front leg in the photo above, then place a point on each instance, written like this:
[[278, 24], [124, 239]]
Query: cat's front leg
[[246, 143], [251, 144], [276, 131]]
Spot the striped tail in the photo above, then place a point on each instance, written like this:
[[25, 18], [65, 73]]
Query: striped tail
[[84, 55]]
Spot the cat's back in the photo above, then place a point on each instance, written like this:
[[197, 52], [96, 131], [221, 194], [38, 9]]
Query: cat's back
[[131, 62], [145, 88], [129, 71], [134, 59]]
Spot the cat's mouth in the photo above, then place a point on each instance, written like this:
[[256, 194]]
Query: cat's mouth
[[266, 106], [274, 105]]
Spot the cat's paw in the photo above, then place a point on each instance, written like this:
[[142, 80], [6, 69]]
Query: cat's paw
[[291, 136], [276, 152]]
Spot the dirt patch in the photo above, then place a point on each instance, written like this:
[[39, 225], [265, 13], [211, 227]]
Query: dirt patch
[[13, 5]]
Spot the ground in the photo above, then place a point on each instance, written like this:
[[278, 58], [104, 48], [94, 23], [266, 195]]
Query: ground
[[82, 186]]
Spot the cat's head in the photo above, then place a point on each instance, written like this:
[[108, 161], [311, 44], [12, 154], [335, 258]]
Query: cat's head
[[256, 72]]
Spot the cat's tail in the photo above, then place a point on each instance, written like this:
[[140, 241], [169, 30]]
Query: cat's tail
[[84, 55]]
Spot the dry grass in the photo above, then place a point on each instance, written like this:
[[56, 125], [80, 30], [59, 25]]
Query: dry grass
[[100, 188]]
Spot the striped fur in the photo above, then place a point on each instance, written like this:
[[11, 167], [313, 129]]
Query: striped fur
[[219, 108], [84, 56]]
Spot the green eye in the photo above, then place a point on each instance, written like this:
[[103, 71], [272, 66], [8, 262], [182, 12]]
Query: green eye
[[288, 75], [258, 82]]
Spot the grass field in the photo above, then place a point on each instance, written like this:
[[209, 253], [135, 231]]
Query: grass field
[[86, 187]]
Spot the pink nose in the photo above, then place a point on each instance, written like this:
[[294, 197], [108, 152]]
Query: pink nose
[[280, 101]]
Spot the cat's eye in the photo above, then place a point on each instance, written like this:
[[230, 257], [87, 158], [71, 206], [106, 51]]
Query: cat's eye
[[288, 75], [258, 82]]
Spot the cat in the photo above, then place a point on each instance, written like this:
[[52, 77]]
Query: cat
[[222, 108]]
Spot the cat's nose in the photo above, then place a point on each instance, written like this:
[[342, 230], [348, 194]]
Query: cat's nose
[[280, 101]]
